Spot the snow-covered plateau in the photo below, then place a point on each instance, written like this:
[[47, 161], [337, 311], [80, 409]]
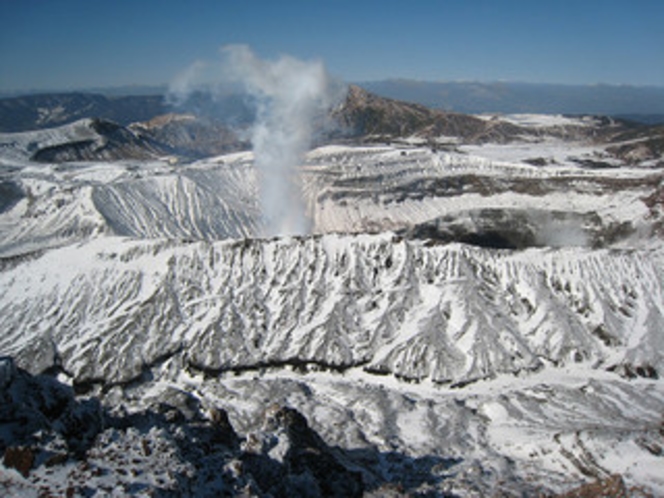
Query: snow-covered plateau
[[459, 321]]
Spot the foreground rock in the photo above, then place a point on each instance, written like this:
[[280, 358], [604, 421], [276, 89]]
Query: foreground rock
[[56, 443]]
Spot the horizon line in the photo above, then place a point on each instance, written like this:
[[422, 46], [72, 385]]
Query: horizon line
[[163, 87]]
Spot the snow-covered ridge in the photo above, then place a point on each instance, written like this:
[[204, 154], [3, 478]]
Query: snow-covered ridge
[[59, 204], [373, 189], [21, 146], [106, 310], [83, 140], [346, 189]]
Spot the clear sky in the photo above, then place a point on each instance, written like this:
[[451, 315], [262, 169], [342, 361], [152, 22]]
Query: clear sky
[[67, 44]]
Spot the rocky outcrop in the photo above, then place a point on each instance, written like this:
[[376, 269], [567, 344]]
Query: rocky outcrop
[[367, 115], [164, 440], [297, 459], [612, 486], [638, 144], [66, 445]]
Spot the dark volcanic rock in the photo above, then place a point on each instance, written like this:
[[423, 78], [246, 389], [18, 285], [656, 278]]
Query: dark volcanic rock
[[58, 442]]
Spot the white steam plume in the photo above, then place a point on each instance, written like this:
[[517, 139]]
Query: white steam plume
[[290, 94]]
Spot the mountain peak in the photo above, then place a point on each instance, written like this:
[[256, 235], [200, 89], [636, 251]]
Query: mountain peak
[[369, 115]]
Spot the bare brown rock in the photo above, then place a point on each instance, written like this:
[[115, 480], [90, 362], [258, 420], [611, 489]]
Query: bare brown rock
[[19, 458], [610, 487]]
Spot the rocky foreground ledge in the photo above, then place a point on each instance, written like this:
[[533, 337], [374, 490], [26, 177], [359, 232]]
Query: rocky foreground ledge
[[55, 444]]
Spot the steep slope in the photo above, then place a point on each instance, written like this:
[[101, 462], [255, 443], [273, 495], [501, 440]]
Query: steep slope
[[367, 115], [165, 440], [469, 198], [417, 192], [450, 314], [84, 140], [73, 447], [197, 204], [101, 140], [370, 117], [191, 136], [52, 205], [639, 144]]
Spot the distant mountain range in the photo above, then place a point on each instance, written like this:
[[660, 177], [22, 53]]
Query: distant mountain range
[[131, 104], [35, 112], [645, 104], [41, 111], [90, 127]]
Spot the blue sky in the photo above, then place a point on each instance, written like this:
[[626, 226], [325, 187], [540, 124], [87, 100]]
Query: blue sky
[[67, 44]]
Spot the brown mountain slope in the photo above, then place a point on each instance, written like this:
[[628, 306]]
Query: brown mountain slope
[[364, 114]]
